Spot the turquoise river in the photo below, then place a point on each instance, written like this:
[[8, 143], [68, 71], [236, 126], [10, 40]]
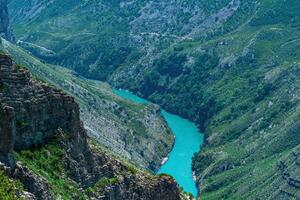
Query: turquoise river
[[188, 141]]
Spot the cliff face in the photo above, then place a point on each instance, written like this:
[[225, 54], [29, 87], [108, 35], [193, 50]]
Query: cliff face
[[45, 121], [34, 111]]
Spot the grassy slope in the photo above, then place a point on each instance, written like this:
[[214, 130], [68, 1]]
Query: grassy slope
[[257, 123], [47, 162], [79, 40]]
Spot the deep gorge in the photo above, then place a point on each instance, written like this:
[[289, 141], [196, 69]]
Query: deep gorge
[[232, 67], [188, 141]]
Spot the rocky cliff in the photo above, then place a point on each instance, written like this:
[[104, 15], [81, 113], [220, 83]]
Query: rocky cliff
[[34, 111], [40, 122]]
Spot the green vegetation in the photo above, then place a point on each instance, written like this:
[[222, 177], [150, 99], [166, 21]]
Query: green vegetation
[[101, 184], [9, 189], [1, 52], [47, 162], [20, 66], [172, 65]]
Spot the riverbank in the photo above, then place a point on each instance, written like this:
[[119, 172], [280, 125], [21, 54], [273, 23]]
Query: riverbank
[[188, 142]]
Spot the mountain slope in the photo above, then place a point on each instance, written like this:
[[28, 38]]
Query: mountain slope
[[231, 66], [82, 30], [42, 126], [132, 130]]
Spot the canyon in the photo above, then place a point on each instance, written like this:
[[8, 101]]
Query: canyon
[[230, 66], [35, 116]]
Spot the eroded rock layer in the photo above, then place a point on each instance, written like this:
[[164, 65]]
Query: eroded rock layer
[[39, 109]]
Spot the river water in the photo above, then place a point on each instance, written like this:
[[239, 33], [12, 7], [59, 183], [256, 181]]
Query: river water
[[188, 141]]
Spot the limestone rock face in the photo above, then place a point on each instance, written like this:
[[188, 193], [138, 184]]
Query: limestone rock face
[[39, 109], [133, 186]]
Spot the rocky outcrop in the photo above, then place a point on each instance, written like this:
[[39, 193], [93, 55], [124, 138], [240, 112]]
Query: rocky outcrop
[[37, 188], [31, 114], [165, 189], [33, 183], [39, 110], [133, 185]]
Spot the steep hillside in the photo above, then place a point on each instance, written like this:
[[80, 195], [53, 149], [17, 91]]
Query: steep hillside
[[134, 131], [231, 66], [77, 33], [40, 126]]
